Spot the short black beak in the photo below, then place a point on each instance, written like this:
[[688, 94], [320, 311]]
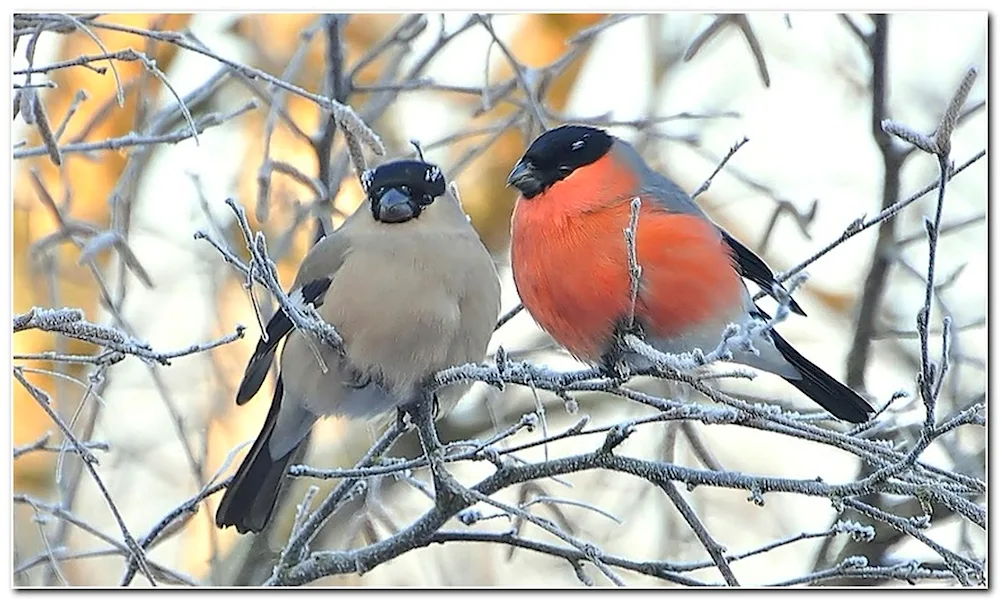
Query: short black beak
[[395, 207], [523, 171], [525, 178]]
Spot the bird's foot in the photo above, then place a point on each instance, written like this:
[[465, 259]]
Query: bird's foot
[[615, 368], [401, 413], [615, 363]]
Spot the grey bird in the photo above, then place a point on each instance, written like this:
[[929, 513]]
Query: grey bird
[[408, 284]]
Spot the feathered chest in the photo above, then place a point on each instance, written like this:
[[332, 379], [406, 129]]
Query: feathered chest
[[413, 309], [571, 272]]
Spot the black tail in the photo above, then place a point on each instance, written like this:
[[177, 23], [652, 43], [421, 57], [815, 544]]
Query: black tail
[[821, 387], [251, 496]]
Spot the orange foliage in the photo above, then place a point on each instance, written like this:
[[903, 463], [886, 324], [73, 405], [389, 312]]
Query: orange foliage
[[91, 181]]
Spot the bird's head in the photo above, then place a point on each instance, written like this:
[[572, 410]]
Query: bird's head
[[555, 155], [399, 191]]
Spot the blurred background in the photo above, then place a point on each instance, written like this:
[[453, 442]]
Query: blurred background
[[683, 87]]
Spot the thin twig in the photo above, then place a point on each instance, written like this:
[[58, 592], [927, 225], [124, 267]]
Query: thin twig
[[708, 182], [715, 550], [634, 269], [519, 71]]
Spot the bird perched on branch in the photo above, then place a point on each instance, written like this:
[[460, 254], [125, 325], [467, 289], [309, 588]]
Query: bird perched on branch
[[408, 284], [571, 266]]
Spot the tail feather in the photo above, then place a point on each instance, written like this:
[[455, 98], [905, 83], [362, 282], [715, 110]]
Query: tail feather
[[251, 497], [823, 388]]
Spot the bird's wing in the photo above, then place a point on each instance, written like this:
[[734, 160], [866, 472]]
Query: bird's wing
[[670, 197], [277, 328], [311, 283], [752, 267]]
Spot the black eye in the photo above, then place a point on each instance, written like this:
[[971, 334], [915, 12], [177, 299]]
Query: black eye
[[565, 169], [425, 200]]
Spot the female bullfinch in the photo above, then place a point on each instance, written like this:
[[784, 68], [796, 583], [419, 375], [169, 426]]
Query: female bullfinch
[[408, 284]]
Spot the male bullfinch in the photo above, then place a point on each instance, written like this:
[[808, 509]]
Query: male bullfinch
[[408, 284], [571, 263]]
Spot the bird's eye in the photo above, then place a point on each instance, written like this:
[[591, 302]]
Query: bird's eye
[[565, 169], [426, 199]]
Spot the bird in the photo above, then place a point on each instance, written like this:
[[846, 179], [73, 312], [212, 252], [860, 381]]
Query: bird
[[570, 263], [411, 289]]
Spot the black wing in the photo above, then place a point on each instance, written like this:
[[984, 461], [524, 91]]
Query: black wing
[[277, 328], [756, 270]]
